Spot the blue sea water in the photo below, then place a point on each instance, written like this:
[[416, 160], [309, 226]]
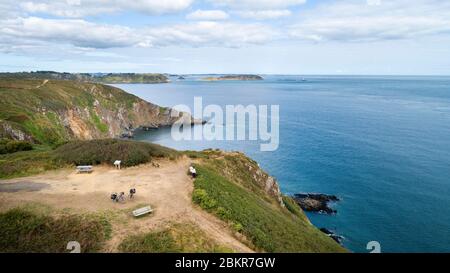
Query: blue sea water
[[382, 144]]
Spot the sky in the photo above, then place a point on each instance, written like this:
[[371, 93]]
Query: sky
[[302, 37]]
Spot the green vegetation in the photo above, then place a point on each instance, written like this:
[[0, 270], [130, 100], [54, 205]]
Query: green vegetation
[[294, 208], [268, 225], [106, 151], [26, 231], [40, 109], [27, 162], [8, 146], [102, 127], [92, 152], [177, 238]]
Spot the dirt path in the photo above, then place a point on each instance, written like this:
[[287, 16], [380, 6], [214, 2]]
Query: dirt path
[[167, 189], [42, 84]]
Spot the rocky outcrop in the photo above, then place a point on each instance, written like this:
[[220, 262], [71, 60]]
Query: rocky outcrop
[[337, 238], [8, 131], [315, 202]]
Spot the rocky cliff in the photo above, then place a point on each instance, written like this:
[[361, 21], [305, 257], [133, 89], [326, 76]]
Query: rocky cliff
[[50, 111]]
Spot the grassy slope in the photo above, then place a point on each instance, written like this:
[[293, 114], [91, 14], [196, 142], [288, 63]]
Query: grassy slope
[[225, 189], [27, 163], [27, 231], [185, 237], [36, 110]]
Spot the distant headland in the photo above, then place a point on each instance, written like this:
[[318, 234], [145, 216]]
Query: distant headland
[[239, 77], [107, 78]]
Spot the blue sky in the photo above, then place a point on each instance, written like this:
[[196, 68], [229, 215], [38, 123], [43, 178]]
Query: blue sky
[[227, 36]]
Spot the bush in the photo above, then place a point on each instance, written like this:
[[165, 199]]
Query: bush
[[106, 151], [8, 146], [200, 197]]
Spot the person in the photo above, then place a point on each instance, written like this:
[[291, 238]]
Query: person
[[121, 197], [114, 197], [132, 193], [193, 171]]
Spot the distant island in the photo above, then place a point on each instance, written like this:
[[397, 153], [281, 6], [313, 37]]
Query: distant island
[[235, 78], [132, 78], [108, 78]]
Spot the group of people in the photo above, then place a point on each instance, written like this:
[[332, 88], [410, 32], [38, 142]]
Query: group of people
[[120, 198]]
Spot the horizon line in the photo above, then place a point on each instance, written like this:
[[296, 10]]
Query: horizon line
[[234, 73]]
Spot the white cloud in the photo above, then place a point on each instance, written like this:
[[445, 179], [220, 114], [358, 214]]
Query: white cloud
[[208, 15], [82, 8], [21, 34], [207, 33], [264, 14], [360, 21], [258, 4], [80, 33]]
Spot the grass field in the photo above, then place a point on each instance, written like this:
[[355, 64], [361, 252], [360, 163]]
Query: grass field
[[186, 237]]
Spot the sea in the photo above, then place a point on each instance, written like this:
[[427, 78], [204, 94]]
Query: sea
[[380, 143]]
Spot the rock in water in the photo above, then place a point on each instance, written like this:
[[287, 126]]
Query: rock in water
[[315, 202], [333, 235]]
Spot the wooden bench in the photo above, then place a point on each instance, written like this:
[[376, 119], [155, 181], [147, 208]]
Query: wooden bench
[[142, 211], [84, 169]]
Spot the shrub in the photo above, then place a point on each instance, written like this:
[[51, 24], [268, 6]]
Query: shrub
[[200, 197], [106, 151], [237, 227], [11, 146]]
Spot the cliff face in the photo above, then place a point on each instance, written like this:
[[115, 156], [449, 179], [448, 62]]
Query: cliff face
[[246, 172], [50, 111]]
